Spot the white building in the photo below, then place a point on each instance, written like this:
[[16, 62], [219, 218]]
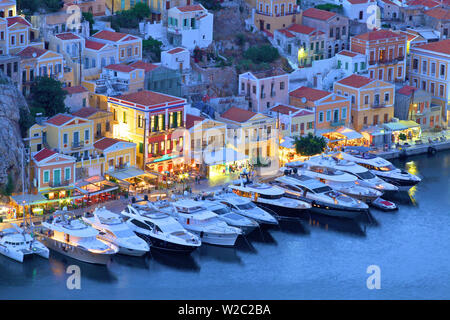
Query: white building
[[190, 26], [351, 62], [176, 59], [359, 10]]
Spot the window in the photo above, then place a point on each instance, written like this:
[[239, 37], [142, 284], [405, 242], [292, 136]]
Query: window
[[366, 99], [140, 123], [124, 117], [328, 115], [433, 68], [442, 70], [361, 13], [282, 85], [365, 120], [399, 72], [13, 40], [331, 33], [386, 97], [353, 99], [86, 134], [432, 88], [2, 35], [65, 138], [424, 67], [415, 65], [321, 116], [67, 173], [441, 90], [424, 85], [46, 177], [344, 113], [386, 118], [343, 31]]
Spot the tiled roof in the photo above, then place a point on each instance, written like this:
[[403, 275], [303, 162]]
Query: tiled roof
[[299, 28], [29, 51], [378, 35], [147, 98], [303, 112], [110, 35], [238, 115], [191, 120], [318, 14], [75, 89], [359, 1], [348, 53], [67, 36], [355, 81], [94, 45], [442, 46], [286, 33], [105, 143], [176, 50], [17, 19], [120, 67], [87, 112], [407, 90], [284, 109], [59, 119], [144, 65], [309, 93], [389, 2], [438, 13], [425, 3], [43, 154], [195, 7]]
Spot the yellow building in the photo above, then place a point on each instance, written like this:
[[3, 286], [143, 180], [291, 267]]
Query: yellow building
[[271, 15], [8, 8], [102, 121], [119, 154], [129, 47], [293, 121], [372, 101], [19, 34]]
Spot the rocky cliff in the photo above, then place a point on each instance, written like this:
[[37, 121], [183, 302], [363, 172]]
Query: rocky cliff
[[11, 143]]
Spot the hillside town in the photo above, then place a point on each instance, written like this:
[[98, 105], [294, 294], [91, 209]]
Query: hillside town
[[164, 97]]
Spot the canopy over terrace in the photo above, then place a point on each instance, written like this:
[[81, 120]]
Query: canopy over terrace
[[223, 161], [410, 128], [132, 176], [95, 185], [343, 133]]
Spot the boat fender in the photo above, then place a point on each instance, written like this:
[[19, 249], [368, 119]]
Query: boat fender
[[432, 150]]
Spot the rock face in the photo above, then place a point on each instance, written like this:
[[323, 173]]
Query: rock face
[[11, 143]]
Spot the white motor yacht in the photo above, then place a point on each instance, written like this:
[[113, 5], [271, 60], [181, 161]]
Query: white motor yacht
[[224, 213], [159, 229], [73, 237], [15, 243], [382, 168], [269, 197], [113, 229], [323, 198], [194, 217]]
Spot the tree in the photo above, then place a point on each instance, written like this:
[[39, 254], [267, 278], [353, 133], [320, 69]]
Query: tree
[[89, 17], [264, 53], [153, 47], [310, 145], [9, 187], [141, 10], [402, 136], [48, 94], [26, 121]]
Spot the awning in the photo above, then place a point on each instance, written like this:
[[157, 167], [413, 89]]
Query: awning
[[409, 123], [288, 143], [28, 198], [394, 126], [349, 134], [128, 173], [222, 156]]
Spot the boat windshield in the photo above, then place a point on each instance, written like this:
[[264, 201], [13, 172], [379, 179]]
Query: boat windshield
[[221, 210], [322, 189], [270, 196], [389, 167], [246, 206], [365, 175]]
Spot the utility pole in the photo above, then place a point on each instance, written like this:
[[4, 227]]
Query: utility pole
[[144, 146]]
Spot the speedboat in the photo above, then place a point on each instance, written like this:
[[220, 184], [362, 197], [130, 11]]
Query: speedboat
[[336, 179], [15, 243], [382, 168], [323, 198], [113, 229], [231, 218], [159, 229], [204, 223], [269, 197], [74, 238], [365, 177], [245, 207], [384, 205]]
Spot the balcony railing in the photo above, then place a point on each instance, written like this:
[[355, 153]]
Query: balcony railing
[[337, 123], [77, 145], [378, 105], [57, 184]]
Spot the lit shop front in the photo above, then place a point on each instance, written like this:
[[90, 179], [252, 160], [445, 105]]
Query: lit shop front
[[410, 129], [133, 179], [225, 161], [344, 137], [95, 189]]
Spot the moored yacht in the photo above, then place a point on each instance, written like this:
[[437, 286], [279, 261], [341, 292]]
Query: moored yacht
[[113, 229], [323, 198], [159, 229], [72, 237], [382, 168], [204, 223], [231, 218], [336, 179], [15, 243], [269, 197]]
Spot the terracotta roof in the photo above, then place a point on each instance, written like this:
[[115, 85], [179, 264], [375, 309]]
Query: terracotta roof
[[89, 44], [176, 50], [407, 90], [355, 81], [425, 3], [286, 33], [358, 1], [144, 65], [442, 46], [86, 112], [105, 143], [303, 112], [110, 35], [67, 36], [17, 19], [75, 89], [120, 67], [378, 35], [284, 109], [191, 120], [438, 13], [409, 35], [309, 93], [390, 2], [318, 14], [299, 28], [59, 119], [129, 38], [238, 115], [348, 53], [29, 51], [147, 98], [195, 7], [43, 154]]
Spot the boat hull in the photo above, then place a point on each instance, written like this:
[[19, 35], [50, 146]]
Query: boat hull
[[227, 240], [361, 197], [131, 252], [283, 211], [19, 255], [162, 245], [401, 184], [76, 252]]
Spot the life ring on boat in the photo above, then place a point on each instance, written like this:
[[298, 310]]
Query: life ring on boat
[[432, 150]]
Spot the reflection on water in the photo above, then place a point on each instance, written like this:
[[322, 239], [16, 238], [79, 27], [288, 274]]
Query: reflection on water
[[142, 262], [176, 261], [223, 254], [349, 226]]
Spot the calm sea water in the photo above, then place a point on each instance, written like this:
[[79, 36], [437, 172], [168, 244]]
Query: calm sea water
[[324, 259]]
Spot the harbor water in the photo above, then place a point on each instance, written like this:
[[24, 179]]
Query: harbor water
[[315, 259]]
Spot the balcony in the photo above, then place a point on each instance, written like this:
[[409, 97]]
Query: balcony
[[337, 123], [77, 145], [58, 184], [378, 105]]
